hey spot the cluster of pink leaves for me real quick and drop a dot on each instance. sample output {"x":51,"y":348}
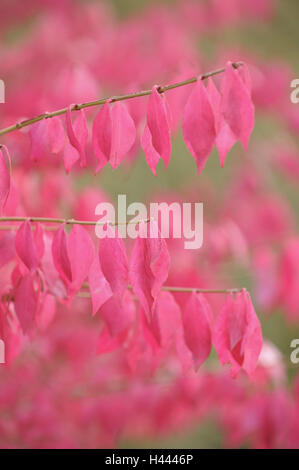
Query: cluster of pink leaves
{"x":209,"y":118}
{"x":104,"y":69}
{"x":147,"y":343}
{"x":50,"y":268}
{"x":54,"y":342}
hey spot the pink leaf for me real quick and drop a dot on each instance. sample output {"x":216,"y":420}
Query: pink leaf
{"x":236,"y":106}
{"x":113,"y":134}
{"x":149,"y":265}
{"x":123,"y":134}
{"x":39,"y":139}
{"x":117,"y":314}
{"x":245,"y":75}
{"x":55,"y":285}
{"x":81,"y":254}
{"x":72,"y":256}
{"x":142,"y":351}
{"x":70,"y":157}
{"x":184,"y":353}
{"x":25,"y":246}
{"x":238,"y":336}
{"x":165,"y":319}
{"x":100,"y":289}
{"x":197,"y":322}
{"x":225,"y":138}
{"x":47,"y":312}
{"x":39,"y":240}
{"x":151,"y":155}
{"x":102,"y":135}
{"x":199,"y":125}
{"x":25,"y":303}
{"x":78,"y":133}
{"x":155,"y":140}
{"x":5,"y":177}
{"x":60,"y":255}
{"x":108,"y":343}
{"x":113,"y":300}
{"x":113,"y":261}
{"x":56,"y":137}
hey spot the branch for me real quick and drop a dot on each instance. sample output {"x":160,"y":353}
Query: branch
{"x":77,"y":107}
{"x":91,"y":222}
{"x":59,"y":221}
{"x":86,"y":295}
{"x":178,"y":289}
{"x":203,"y":291}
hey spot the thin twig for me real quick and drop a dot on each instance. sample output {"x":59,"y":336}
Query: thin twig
{"x":59,"y":221}
{"x":86,"y":295}
{"x":234,"y":290}
{"x":113,"y":99}
{"x":203,"y":291}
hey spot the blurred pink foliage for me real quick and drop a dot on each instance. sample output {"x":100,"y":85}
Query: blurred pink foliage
{"x":129,"y":369}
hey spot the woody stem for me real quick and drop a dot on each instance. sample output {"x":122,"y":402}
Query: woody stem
{"x":113,"y":99}
{"x":58,"y":221}
{"x":182,"y":289}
